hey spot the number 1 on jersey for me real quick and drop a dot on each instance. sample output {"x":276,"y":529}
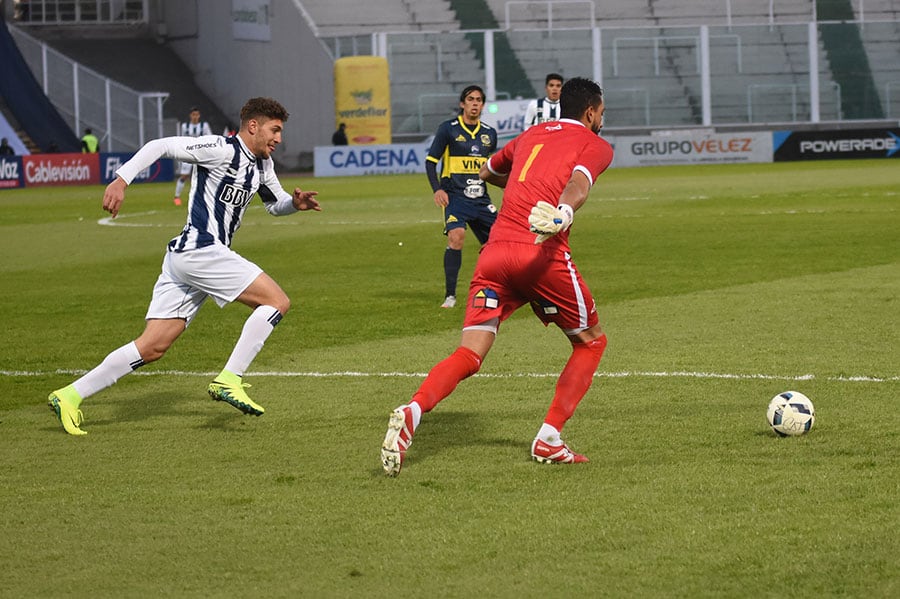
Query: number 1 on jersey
{"x":534,"y":152}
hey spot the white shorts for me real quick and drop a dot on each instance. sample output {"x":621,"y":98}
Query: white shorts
{"x":185,"y":168}
{"x":188,"y":278}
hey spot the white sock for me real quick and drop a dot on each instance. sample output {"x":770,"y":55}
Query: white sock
{"x":116,"y":365}
{"x":256,"y":330}
{"x":179,"y":187}
{"x":416,"y":413}
{"x":549,"y":434}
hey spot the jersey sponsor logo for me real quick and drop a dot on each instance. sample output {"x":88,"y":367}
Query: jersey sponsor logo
{"x":465,"y":165}
{"x":200,"y":146}
{"x":485,"y":140}
{"x":485,"y":298}
{"x":234,"y":195}
{"x":460,"y":138}
{"x":474,"y":190}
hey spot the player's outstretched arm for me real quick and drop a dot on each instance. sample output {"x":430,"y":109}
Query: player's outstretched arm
{"x":114,"y":195}
{"x":305,"y":200}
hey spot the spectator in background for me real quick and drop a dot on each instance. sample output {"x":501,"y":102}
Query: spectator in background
{"x":89,"y":142}
{"x":545,"y":109}
{"x":340,"y":136}
{"x":6,"y":149}
{"x":194,"y":127}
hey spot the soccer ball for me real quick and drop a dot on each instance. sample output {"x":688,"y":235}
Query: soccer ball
{"x":791,"y":414}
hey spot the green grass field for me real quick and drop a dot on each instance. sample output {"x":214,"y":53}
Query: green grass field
{"x":718,"y":286}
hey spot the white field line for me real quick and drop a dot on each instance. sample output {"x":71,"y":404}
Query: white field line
{"x":539,"y":375}
{"x":117,"y":222}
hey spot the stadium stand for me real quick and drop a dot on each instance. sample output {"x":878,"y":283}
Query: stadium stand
{"x":140,"y":59}
{"x":880,"y":35}
{"x":430,"y":59}
{"x":650,"y":54}
{"x":333,"y":19}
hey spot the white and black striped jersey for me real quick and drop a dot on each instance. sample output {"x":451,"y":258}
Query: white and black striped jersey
{"x":190,"y":129}
{"x":540,"y":111}
{"x":226,"y":177}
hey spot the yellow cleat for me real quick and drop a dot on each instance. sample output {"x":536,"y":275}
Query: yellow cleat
{"x":64,"y":403}
{"x":228,"y":388}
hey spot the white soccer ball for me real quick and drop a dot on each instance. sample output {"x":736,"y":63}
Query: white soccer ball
{"x":791,"y":414}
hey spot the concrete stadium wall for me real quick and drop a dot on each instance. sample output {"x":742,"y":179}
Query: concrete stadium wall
{"x":293,"y":68}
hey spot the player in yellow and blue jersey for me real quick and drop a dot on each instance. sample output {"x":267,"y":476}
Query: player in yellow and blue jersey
{"x":461,"y":145}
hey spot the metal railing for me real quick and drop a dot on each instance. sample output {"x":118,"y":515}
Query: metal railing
{"x":80,"y":12}
{"x":795,"y":91}
{"x":550,"y":5}
{"x":122,"y":118}
{"x":888,"y":109}
{"x":667,"y":38}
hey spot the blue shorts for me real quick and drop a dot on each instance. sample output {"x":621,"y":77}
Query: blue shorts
{"x":462,"y":213}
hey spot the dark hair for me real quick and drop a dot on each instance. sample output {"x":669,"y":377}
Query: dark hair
{"x":263,"y":107}
{"x":469,"y":90}
{"x":577,"y":95}
{"x":553,"y":77}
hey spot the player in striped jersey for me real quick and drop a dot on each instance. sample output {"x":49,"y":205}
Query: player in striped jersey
{"x":545,"y":109}
{"x":193,"y":128}
{"x":199,"y":262}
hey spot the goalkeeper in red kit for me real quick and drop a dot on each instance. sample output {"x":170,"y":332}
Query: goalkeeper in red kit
{"x":547,"y":173}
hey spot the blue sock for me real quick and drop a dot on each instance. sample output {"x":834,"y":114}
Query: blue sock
{"x":452,"y":264}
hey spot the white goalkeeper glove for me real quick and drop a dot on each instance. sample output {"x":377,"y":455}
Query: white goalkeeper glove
{"x":547,"y":220}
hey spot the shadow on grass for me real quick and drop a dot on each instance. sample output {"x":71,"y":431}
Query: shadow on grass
{"x":439,"y":432}
{"x":192,"y":405}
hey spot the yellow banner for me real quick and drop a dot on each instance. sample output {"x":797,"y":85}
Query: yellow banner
{"x":362,"y":99}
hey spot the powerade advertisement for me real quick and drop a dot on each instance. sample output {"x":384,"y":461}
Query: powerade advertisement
{"x":831,"y":145}
{"x":41,"y":170}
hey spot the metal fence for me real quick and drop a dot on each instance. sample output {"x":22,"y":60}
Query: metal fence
{"x":655,"y":77}
{"x":122,"y":118}
{"x":80,"y":12}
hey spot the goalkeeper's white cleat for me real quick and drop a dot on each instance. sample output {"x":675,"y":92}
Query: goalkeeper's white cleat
{"x":545,"y":453}
{"x":397,"y":440}
{"x":449,"y":302}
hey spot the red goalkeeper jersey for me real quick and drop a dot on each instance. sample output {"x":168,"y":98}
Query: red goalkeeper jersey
{"x":540,"y":162}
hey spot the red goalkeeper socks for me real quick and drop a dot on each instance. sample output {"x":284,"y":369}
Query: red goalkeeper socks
{"x":575,"y":380}
{"x":445,"y":376}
